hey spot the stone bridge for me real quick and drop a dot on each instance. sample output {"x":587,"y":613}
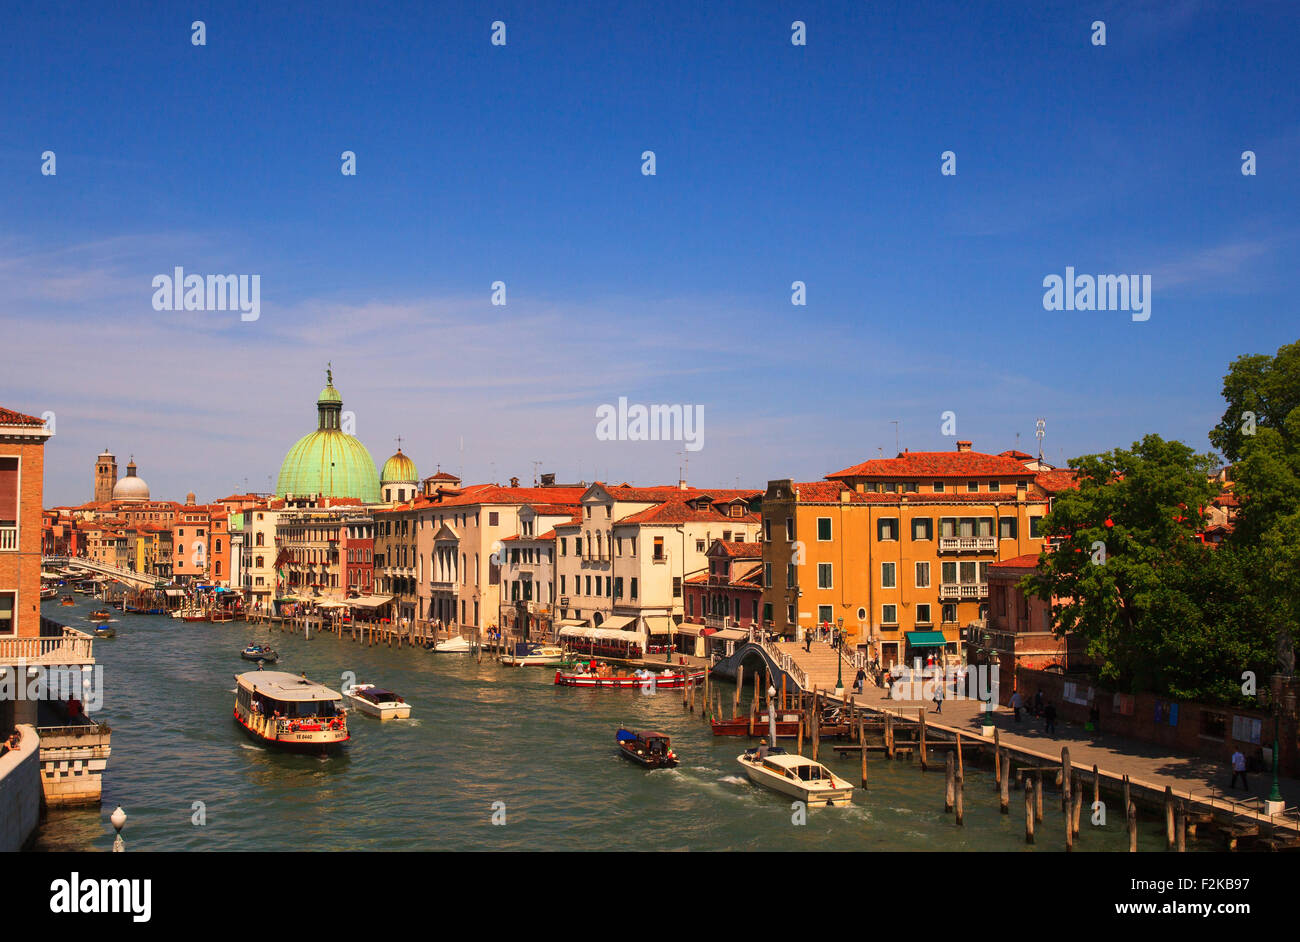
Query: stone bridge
{"x":814,"y":669}
{"x":137,"y":580}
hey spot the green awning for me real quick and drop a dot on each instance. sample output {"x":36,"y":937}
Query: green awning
{"x":926,"y":639}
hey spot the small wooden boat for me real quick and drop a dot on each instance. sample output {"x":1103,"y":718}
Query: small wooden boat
{"x":259,"y":652}
{"x":787,"y":726}
{"x":377,"y":702}
{"x":668,"y":680}
{"x":192,"y":614}
{"x":105,"y":631}
{"x":796,"y":776}
{"x":67,"y":600}
{"x":649,"y":750}
{"x":100,"y":614}
{"x":534,"y":655}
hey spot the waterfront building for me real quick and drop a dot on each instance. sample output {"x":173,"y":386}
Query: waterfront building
{"x":527,"y":564}
{"x":48,"y":763}
{"x":356,"y":550}
{"x":307,"y":543}
{"x":259,"y":549}
{"x":897,"y":551}
{"x":457,"y":535}
{"x":729,"y":594}
{"x":397,"y":562}
{"x":623,"y":564}
{"x":329,"y":462}
{"x":1018,"y":632}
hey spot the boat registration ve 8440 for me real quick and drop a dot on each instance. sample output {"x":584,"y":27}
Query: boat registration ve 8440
{"x":290,"y":712}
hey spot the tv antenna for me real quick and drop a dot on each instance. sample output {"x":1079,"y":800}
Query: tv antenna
{"x":1040,"y":430}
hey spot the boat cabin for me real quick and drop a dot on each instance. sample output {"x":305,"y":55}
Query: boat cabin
{"x":277,"y":693}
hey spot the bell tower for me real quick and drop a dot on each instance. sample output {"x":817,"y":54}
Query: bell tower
{"x":105,"y":476}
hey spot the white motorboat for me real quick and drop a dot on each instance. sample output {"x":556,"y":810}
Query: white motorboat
{"x":538,"y":655}
{"x":377,"y":702}
{"x":796,"y":776}
{"x":456,"y":645}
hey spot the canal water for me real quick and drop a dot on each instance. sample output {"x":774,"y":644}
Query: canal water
{"x":484,"y":741}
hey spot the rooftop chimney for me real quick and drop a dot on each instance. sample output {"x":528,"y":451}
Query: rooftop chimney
{"x":963,"y":446}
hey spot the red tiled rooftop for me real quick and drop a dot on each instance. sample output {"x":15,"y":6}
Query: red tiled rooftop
{"x":10,"y":417}
{"x":1027,"y":561}
{"x":934,"y":464}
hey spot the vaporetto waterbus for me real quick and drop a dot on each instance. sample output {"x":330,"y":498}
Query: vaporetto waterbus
{"x":290,"y":711}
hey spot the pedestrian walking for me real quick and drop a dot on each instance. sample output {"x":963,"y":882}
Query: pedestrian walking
{"x":807,"y":640}
{"x":1049,"y":717}
{"x":1239,"y":768}
{"x":938,"y":697}
{"x":1015,"y":703}
{"x":859,"y":680}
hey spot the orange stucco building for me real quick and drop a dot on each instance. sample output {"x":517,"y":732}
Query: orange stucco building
{"x":897,"y":551}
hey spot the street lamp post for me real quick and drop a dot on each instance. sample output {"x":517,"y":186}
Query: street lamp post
{"x":1275,"y":804}
{"x":839,"y":657}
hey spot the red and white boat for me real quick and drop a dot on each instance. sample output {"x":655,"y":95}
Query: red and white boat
{"x":648,"y":680}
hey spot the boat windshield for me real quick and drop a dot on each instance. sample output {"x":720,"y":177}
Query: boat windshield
{"x":810,"y":773}
{"x":302,"y":709}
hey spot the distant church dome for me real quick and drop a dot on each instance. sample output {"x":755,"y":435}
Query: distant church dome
{"x":131,"y":488}
{"x":327,"y":461}
{"x":399,"y":480}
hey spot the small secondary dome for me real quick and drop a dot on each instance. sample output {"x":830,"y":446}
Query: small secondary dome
{"x":132,"y":487}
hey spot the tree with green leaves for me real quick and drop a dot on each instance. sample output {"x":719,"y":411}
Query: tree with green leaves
{"x":1156,"y":608}
{"x":1260,"y":434}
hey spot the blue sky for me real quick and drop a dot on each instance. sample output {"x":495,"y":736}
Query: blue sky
{"x":521,"y":163}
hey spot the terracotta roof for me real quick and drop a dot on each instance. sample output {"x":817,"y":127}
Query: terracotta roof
{"x":742,"y":550}
{"x":934,"y":464}
{"x":442,"y":476}
{"x":554,"y":510}
{"x":1017,"y":455}
{"x":496,"y":494}
{"x":1058,"y":480}
{"x":10,"y":417}
{"x":676,"y":511}
{"x":1027,"y":561}
{"x":748,"y":578}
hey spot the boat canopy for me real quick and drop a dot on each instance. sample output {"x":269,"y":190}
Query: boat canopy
{"x":626,"y":735}
{"x":602,"y":634}
{"x":369,"y":601}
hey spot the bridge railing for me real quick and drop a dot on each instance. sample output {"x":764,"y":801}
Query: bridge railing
{"x":778,"y":657}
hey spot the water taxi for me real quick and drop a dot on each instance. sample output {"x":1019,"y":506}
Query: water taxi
{"x":651,"y":750}
{"x":259,"y":652}
{"x":290,"y":711}
{"x":100,"y":614}
{"x":377,"y":702}
{"x":456,"y":645}
{"x":796,"y":776}
{"x":647,"y":680}
{"x":67,"y":600}
{"x":534,"y":655}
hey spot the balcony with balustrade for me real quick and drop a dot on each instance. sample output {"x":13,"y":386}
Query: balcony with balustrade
{"x":967,"y":544}
{"x":964,"y":591}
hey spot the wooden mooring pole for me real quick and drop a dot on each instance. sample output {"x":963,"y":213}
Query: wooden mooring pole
{"x":1169,"y":818}
{"x":862,"y":744}
{"x":949,"y":782}
{"x":1029,"y":810}
{"x":1004,"y":793}
{"x":1065,"y":778}
{"x":1132,"y":826}
{"x":961,"y":799}
{"x":920,"y":718}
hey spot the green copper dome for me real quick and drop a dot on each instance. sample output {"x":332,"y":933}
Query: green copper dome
{"x":328,"y":461}
{"x":399,"y":469}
